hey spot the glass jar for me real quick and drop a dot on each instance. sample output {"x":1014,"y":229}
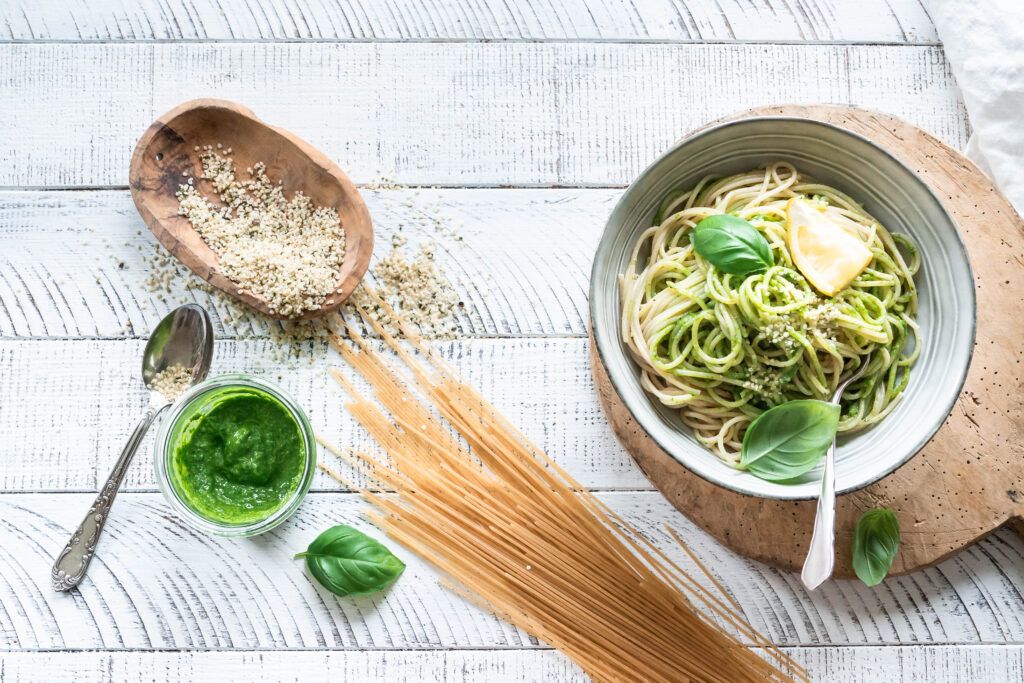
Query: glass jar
{"x":192,"y":403}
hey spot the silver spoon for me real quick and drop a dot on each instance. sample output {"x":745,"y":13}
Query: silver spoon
{"x":821,"y":556}
{"x":183,"y":338}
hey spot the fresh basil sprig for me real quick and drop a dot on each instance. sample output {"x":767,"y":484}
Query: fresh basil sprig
{"x":732,"y":245}
{"x":875,"y":545}
{"x":789,"y":439}
{"x":348,"y":562}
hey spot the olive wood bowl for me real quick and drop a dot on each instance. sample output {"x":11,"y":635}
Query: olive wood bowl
{"x":166,"y":152}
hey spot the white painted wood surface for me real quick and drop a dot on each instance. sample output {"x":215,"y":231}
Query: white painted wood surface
{"x":443,"y":113}
{"x":160,"y":585}
{"x":898,"y":21}
{"x":936,"y":664}
{"x":542,"y":383}
{"x":496,"y":101}
{"x":98,"y":253}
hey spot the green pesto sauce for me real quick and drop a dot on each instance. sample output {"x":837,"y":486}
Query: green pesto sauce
{"x":239,"y":457}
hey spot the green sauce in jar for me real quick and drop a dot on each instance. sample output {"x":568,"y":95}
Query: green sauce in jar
{"x":237,"y":455}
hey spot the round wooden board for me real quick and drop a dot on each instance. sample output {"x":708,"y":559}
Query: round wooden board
{"x":969,"y":479}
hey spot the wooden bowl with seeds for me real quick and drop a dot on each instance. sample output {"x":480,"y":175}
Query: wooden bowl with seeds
{"x":171,"y":152}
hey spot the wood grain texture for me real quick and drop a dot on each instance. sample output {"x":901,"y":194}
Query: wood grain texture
{"x":158,"y":585}
{"x":436,"y":113}
{"x":862,"y":664}
{"x":169,"y":150}
{"x":968,"y":480}
{"x":383,"y":20}
{"x":99,"y":257}
{"x":465,"y":114}
{"x":69,"y":405}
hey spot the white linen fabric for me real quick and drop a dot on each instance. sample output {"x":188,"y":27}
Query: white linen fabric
{"x":984,"y":43}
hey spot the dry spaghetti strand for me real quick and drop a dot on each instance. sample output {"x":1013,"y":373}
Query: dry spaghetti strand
{"x":515,"y":534}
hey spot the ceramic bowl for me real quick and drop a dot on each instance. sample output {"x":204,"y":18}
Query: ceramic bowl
{"x":889,"y":191}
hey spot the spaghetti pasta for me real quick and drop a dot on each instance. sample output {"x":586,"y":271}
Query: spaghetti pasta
{"x":724,"y":348}
{"x":515,"y":533}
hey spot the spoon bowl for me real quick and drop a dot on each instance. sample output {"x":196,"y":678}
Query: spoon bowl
{"x":184,"y":338}
{"x":165,"y":157}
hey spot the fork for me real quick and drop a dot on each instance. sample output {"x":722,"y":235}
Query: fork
{"x":821,"y":556}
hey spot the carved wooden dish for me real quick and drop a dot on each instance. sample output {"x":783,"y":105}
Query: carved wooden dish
{"x":968,"y":480}
{"x":167,"y":150}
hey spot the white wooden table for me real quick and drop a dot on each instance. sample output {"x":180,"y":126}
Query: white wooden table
{"x":519,"y":123}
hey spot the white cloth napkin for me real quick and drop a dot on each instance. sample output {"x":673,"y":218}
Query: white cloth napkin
{"x":984,"y":43}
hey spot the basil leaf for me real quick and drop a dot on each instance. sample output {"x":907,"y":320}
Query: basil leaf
{"x":348,"y":562}
{"x":788,"y":440}
{"x":732,"y":245}
{"x":875,"y":545}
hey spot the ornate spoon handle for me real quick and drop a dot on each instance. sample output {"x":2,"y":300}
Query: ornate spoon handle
{"x":73,"y":561}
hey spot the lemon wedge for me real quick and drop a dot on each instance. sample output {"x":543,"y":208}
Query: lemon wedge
{"x":828,"y":256}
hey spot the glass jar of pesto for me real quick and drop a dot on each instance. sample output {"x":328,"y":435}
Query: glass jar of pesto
{"x":235,"y":455}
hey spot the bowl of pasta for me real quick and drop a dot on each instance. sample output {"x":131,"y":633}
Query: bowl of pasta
{"x":752,"y":270}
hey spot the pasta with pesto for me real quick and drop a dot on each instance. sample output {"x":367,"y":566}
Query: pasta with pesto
{"x":723,"y":348}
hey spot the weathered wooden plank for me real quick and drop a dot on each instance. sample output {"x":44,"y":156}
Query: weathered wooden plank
{"x":80,"y":263}
{"x":897,"y":21}
{"x":444,"y":113}
{"x":158,"y":585}
{"x":453,"y":666}
{"x":66,"y":406}
{"x":859,"y":664}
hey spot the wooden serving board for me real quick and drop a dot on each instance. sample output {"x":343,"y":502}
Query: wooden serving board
{"x":969,"y":479}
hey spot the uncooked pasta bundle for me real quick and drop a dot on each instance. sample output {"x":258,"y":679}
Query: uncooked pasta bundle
{"x":514,"y":533}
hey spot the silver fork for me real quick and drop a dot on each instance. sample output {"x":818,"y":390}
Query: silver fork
{"x":821,"y":556}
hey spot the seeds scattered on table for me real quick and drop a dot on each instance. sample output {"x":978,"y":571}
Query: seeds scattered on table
{"x":172,"y":381}
{"x":286,"y":252}
{"x":415,"y":288}
{"x":412,"y":283}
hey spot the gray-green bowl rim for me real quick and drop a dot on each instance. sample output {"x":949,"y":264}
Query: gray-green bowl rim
{"x":963,"y":253}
